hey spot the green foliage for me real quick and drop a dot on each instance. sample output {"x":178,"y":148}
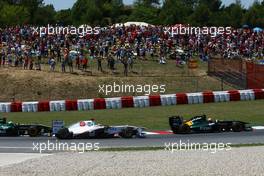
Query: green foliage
{"x":255,"y":15}
{"x":44,"y":15}
{"x":64,"y":17}
{"x":175,"y":11}
{"x":14,"y":15}
{"x":107,"y":12}
{"x":145,"y":11}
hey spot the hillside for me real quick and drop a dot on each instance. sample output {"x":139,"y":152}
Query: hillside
{"x":28,"y":85}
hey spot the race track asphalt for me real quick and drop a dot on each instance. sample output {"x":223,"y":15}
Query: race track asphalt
{"x":28,"y":145}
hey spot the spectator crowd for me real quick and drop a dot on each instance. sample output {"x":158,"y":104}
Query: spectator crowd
{"x":21,"y":47}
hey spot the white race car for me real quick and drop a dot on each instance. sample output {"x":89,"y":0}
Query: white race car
{"x":89,"y":129}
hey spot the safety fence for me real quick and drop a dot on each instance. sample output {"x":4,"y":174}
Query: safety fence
{"x":232,"y":71}
{"x":137,"y":101}
{"x":255,"y":75}
{"x":238,"y":72}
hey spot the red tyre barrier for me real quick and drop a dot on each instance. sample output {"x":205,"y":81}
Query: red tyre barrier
{"x":154,"y":100}
{"x":127,"y":102}
{"x":182,"y":98}
{"x":43,"y":106}
{"x":208,"y":97}
{"x":16,"y":107}
{"x":99,"y":103}
{"x":234,"y":95}
{"x":71,"y":105}
{"x":259,"y":94}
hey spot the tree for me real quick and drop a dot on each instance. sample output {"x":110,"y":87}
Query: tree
{"x":254,"y":15}
{"x":213,"y":5}
{"x":64,"y":17}
{"x":200,"y":16}
{"x":234,"y":14}
{"x":176,"y":11}
{"x":44,"y":15}
{"x":31,"y":5}
{"x":146,"y":11}
{"x":14,"y":15}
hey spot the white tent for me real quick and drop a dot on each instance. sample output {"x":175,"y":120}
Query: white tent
{"x":142,"y":24}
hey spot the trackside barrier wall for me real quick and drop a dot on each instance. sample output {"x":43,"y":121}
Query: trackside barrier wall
{"x":234,"y":95}
{"x":167,"y":100}
{"x":99,"y":103}
{"x":154,"y":100}
{"x":141,"y":101}
{"x":113,"y":103}
{"x":86,"y":104}
{"x":56,"y":106}
{"x":181,"y":98}
{"x":71,"y":105}
{"x":5,"y":107}
{"x":43,"y":106}
{"x":195,"y":98}
{"x":30,"y":106}
{"x":221,"y":96}
{"x":208,"y":97}
{"x":129,"y":101}
{"x":246,"y":95}
{"x":259,"y":93}
{"x":16,"y":106}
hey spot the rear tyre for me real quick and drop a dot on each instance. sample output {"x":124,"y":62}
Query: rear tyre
{"x":33,"y":131}
{"x":127,"y":133}
{"x":237,"y":127}
{"x":64,"y":134}
{"x":186,"y":129}
{"x":176,"y":129}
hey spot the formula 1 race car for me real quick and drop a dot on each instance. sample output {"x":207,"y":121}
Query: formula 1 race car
{"x":89,"y":129}
{"x":200,"y":124}
{"x":12,"y":129}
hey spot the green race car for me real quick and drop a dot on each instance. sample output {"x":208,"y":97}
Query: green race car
{"x":202,"y":124}
{"x":12,"y":129}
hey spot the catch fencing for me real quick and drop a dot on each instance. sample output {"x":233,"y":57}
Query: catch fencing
{"x":240,"y":73}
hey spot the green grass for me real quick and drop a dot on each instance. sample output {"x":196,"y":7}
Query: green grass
{"x":155,"y":118}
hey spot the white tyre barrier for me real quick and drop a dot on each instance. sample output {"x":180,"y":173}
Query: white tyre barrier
{"x":167,"y":100}
{"x":5,"y":107}
{"x":85,"y":104}
{"x":247,"y":95}
{"x":56,"y":106}
{"x":141,"y":101}
{"x":113,"y":103}
{"x":195,"y":98}
{"x":30,"y":106}
{"x":221,"y":96}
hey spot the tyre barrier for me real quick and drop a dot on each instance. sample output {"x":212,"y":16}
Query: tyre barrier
{"x":56,"y":106}
{"x":129,"y":101}
{"x":5,"y":107}
{"x":167,"y":100}
{"x":85,"y":105}
{"x":30,"y":106}
{"x":43,"y":106}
